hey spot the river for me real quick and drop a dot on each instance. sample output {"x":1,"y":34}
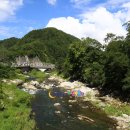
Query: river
{"x":65,"y":116}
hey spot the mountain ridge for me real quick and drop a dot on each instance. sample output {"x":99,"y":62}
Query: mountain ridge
{"x":49,"y":44}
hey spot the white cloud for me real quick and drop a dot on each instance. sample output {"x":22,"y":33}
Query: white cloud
{"x":8,"y":8}
{"x":95,"y":24}
{"x":52,"y":2}
{"x":126,"y":5}
{"x":69,"y":25}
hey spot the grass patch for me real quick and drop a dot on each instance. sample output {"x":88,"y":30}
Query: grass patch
{"x":115,"y":110}
{"x":17,"y":108}
{"x":40,"y":76}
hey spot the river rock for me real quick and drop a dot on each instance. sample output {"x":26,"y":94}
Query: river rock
{"x":64,"y":121}
{"x":71,"y":101}
{"x":34,"y":83}
{"x":57,"y":104}
{"x":57,"y":112}
{"x":47,"y":87}
{"x":101,"y":104}
{"x":125,"y":116}
{"x":4,"y":80}
{"x":67,"y":85}
{"x":44,"y":86}
{"x":70,"y":105}
{"x":56,"y":78}
{"x":29,"y":86}
{"x":16,"y":81}
{"x":122,"y":122}
{"x":32,"y":92}
{"x":77,"y":84}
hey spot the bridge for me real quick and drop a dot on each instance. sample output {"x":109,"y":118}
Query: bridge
{"x":32,"y":63}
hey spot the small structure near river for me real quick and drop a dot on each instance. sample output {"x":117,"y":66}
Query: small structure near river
{"x":25,"y":63}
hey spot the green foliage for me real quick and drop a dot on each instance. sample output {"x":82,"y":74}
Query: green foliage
{"x":107,"y":67}
{"x":49,"y":44}
{"x":126,"y":82}
{"x":84,"y":62}
{"x":6,"y":71}
{"x":94,"y":74}
{"x":15,"y":115}
{"x":2,"y":98}
{"x":116,"y":67}
{"x":40,"y":76}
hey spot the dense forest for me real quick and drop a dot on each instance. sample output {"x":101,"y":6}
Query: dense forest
{"x":104,"y":66}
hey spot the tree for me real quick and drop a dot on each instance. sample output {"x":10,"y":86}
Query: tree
{"x":109,"y":37}
{"x":116,"y":67}
{"x":85,"y":62}
{"x":127,"y":24}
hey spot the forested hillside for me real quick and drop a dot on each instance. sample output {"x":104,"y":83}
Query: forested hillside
{"x":106,"y":67}
{"x":49,"y":44}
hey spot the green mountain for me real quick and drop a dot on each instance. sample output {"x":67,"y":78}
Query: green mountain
{"x":49,"y":44}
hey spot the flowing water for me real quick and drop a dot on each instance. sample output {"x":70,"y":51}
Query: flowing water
{"x":47,"y":118}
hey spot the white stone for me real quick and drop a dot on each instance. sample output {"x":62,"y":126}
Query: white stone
{"x":16,"y":81}
{"x":35,"y":83}
{"x":125,"y":116}
{"x":70,"y":105}
{"x":67,"y":85}
{"x":57,"y":112}
{"x":57,"y":104}
{"x":4,"y":80}
{"x":71,"y":101}
{"x":29,"y":86}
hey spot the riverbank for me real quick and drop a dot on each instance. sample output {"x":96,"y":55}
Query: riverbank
{"x":15,"y":108}
{"x":114,"y":108}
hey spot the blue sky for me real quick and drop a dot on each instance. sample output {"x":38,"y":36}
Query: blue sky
{"x":81,"y":18}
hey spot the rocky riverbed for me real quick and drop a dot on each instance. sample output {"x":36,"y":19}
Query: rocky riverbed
{"x":90,"y":94}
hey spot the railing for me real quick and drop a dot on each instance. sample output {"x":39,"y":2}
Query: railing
{"x":46,"y":66}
